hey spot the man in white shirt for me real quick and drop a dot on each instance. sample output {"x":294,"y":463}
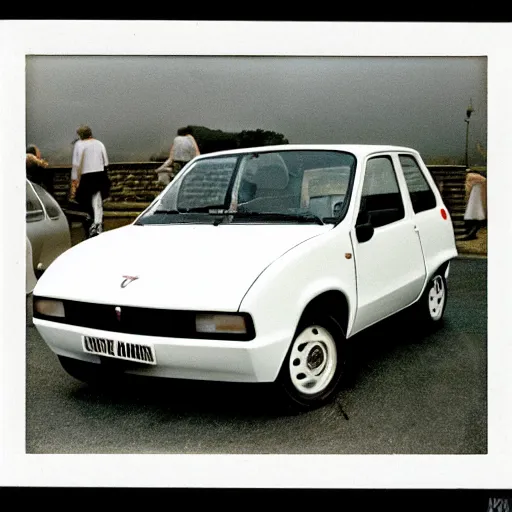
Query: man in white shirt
{"x":90,"y":184}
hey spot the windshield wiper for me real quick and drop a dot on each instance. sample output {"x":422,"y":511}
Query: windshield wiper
{"x":221,"y":210}
{"x":205,"y":209}
{"x":167,"y":211}
{"x":214,"y":210}
{"x":307,"y":217}
{"x":198,"y":209}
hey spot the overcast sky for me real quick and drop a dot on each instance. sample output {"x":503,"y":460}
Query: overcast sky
{"x":135,"y":104}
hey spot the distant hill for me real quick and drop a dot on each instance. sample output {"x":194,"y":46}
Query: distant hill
{"x":210,"y":140}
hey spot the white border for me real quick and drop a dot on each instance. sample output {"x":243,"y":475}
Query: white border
{"x":21,"y":38}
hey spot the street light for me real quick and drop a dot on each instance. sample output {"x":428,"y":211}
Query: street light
{"x":469,"y":111}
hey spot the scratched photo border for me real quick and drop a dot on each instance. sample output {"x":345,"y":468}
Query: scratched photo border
{"x":33,"y":37}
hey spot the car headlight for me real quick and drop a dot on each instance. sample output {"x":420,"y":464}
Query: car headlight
{"x":49,"y":307}
{"x":222,"y":324}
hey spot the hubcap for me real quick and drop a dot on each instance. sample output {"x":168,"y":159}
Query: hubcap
{"x":436,"y":298}
{"x":313,"y":360}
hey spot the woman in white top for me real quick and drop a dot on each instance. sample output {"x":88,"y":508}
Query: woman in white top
{"x":184,"y":148}
{"x":476,"y":208}
{"x":90,"y":184}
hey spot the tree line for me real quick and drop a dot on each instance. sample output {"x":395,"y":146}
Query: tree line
{"x":210,"y":140}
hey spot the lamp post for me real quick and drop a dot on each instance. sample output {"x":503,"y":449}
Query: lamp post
{"x":469,"y":111}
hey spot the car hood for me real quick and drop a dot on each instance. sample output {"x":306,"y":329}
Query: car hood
{"x":201,"y":267}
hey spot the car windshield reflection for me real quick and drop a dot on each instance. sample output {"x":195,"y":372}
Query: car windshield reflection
{"x":288,"y":186}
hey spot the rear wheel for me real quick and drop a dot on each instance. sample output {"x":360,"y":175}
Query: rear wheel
{"x":314,"y":363}
{"x":433,"y":303}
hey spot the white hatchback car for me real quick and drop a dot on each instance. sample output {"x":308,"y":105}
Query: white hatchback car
{"x":254,"y":265}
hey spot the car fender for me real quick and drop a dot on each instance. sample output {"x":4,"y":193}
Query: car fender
{"x":278,"y":297}
{"x":441,"y":264}
{"x":30,"y":278}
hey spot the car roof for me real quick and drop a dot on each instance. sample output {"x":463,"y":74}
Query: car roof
{"x":357,"y":149}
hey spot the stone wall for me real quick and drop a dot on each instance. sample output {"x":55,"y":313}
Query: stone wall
{"x":131,"y":182}
{"x":135,"y":185}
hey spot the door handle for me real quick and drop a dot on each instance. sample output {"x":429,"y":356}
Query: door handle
{"x":416,"y":229}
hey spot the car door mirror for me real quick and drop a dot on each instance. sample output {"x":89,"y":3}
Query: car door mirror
{"x":364,"y":232}
{"x":364,"y":227}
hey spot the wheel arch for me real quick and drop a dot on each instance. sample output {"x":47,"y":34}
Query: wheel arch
{"x":332,"y":302}
{"x":442,"y":267}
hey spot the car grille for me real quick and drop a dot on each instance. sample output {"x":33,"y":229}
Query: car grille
{"x":143,"y":321}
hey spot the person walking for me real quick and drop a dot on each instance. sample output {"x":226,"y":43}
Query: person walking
{"x":476,"y":208}
{"x":184,"y":148}
{"x":90,"y":184}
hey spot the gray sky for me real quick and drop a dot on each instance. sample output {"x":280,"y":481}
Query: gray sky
{"x":134,"y":104}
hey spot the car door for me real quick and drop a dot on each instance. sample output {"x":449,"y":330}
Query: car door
{"x":390,"y":268}
{"x":431,"y":216}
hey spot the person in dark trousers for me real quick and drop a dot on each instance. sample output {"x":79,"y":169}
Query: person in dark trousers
{"x":90,"y":184}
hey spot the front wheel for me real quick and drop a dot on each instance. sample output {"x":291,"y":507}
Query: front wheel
{"x":314,"y":364}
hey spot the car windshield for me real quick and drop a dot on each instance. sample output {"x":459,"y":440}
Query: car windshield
{"x":288,"y":186}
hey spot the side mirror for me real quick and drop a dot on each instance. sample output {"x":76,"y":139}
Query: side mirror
{"x":364,"y":229}
{"x":364,"y":232}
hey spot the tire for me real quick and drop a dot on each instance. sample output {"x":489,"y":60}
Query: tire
{"x":433,"y":302}
{"x":90,"y":373}
{"x":314,"y":364}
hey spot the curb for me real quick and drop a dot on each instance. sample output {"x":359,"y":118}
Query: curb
{"x":469,"y":256}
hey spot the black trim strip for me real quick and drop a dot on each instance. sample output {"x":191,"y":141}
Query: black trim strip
{"x":140,"y":321}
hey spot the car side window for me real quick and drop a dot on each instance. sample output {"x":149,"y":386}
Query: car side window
{"x":422,"y":196}
{"x":381,"y":201}
{"x":34,"y":209}
{"x":50,"y":204}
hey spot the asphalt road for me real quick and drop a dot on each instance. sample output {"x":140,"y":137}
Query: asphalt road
{"x":409,"y":393}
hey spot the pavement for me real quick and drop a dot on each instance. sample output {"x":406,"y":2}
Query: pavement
{"x":474,"y":248}
{"x":407,"y":392}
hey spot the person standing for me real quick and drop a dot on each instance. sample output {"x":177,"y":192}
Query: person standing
{"x":37,"y":169}
{"x":90,"y":184}
{"x":184,"y":148}
{"x":476,"y":208}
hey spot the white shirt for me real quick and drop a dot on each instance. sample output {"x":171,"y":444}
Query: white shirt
{"x":89,"y":155}
{"x":183,"y":149}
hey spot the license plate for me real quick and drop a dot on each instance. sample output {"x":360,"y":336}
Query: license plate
{"x":119,"y":349}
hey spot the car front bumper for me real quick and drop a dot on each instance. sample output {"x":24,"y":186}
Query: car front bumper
{"x":258,"y":360}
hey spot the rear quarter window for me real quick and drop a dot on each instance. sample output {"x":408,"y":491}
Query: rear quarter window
{"x":422,"y":196}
